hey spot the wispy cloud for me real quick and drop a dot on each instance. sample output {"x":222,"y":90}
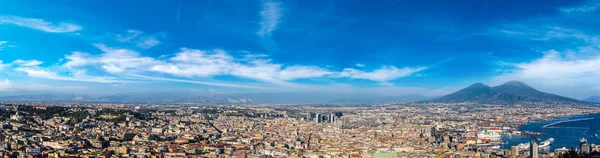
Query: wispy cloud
{"x":9,"y":86}
{"x":19,"y":62}
{"x":40,"y":24}
{"x":32,"y":68}
{"x":382,"y":75}
{"x":589,"y":6}
{"x":2,"y":66}
{"x":210,"y":83}
{"x":270,"y":16}
{"x":77,"y":76}
{"x":4,"y":45}
{"x":148,"y":42}
{"x":138,"y":38}
{"x":27,"y":63}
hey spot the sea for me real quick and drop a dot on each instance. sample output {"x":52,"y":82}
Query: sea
{"x":566,"y":131}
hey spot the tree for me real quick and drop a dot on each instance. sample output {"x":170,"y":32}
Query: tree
{"x":573,"y":154}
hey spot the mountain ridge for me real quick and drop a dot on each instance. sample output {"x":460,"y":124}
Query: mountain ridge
{"x":511,"y":92}
{"x":593,"y":99}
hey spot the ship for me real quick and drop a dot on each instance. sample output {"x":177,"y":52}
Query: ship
{"x":524,"y":146}
{"x":544,"y":144}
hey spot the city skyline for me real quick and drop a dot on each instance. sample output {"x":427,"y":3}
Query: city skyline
{"x":392,"y":48}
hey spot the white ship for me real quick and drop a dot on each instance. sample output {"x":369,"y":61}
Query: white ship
{"x":544,"y":144}
{"x":524,"y":146}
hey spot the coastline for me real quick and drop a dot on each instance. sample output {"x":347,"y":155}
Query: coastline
{"x":564,"y":136}
{"x":566,"y":121}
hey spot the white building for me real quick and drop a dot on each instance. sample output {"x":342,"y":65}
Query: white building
{"x":489,"y":135}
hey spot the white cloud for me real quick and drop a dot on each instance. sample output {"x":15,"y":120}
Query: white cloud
{"x":198,"y":66}
{"x":53,"y":75}
{"x":556,"y":69}
{"x":383,"y":75}
{"x":118,"y":60}
{"x":198,"y":63}
{"x":556,"y":72}
{"x":131,"y":34}
{"x":193,"y":63}
{"x":27,"y":63}
{"x":294,"y":72}
{"x":148,"y":42}
{"x":19,"y":62}
{"x":113,"y":60}
{"x":138,"y":38}
{"x":77,"y":59}
{"x":360,"y":65}
{"x":40,"y":24}
{"x":270,"y":16}
{"x":210,"y":83}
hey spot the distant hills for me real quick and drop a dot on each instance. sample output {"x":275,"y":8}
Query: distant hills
{"x":47,"y":98}
{"x":508,"y":93}
{"x":511,"y":92}
{"x":237,"y":98}
{"x":593,"y":99}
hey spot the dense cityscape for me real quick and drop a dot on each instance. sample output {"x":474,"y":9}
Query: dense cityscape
{"x":386,"y":130}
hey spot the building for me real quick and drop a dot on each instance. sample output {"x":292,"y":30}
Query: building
{"x":331,"y":118}
{"x":16,"y":116}
{"x":514,"y":150}
{"x":585,"y":147}
{"x":488,"y":135}
{"x":339,"y":114}
{"x":157,"y":130}
{"x":317,"y":118}
{"x":533,"y":150}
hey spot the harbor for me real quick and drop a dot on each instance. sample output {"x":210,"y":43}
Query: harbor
{"x":562,"y":132}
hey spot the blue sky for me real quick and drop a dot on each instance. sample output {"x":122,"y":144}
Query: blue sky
{"x":390,"y":47}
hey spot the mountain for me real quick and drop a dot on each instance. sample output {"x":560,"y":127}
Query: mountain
{"x":593,"y":99}
{"x":508,"y":93}
{"x":477,"y":92}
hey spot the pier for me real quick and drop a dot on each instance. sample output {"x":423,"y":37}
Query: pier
{"x":548,"y":125}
